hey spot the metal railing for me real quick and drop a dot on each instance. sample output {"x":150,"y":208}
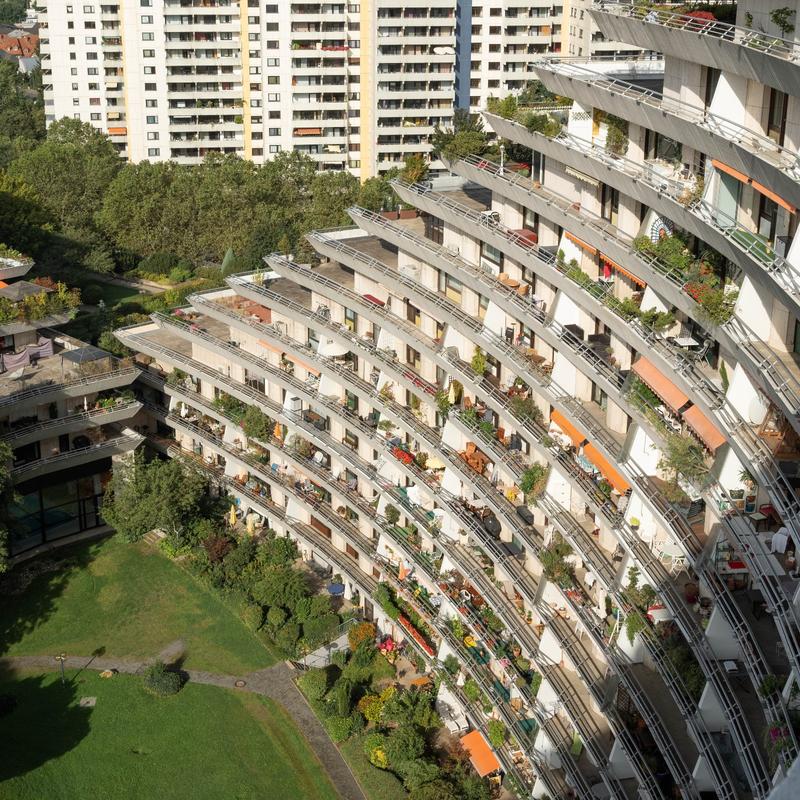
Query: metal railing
{"x":756,"y":143}
{"x":735,"y":34}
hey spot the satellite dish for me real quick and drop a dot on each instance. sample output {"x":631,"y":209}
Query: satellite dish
{"x":756,"y":411}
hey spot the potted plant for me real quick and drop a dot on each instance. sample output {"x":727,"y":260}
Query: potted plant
{"x":392,"y":515}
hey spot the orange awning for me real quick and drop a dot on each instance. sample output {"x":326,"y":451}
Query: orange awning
{"x":117,"y":131}
{"x":606,"y":470}
{"x":480,"y":754}
{"x":288,"y":356}
{"x":740,"y":176}
{"x":568,"y":428}
{"x":702,"y":426}
{"x":308,"y":131}
{"x":575,"y":240}
{"x":622,"y":270}
{"x":662,"y":386}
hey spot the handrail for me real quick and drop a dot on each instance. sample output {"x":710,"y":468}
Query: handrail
{"x":786,"y":160}
{"x":36,"y":391}
{"x":81,"y":416}
{"x":96,"y":447}
{"x":736,"y":34}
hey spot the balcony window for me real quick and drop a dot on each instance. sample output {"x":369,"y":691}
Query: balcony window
{"x":254,"y":382}
{"x":767,"y":218}
{"x":492,"y":255}
{"x":450,"y":287}
{"x":413,"y":358}
{"x":776,"y":120}
{"x":434,"y":229}
{"x":610,"y":204}
{"x":483,"y":304}
{"x":350,"y":320}
{"x":413,"y":315}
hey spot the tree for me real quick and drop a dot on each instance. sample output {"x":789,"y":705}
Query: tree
{"x":276,"y":617}
{"x":376,"y":194}
{"x":287,"y":636}
{"x":158,"y":681}
{"x":256,"y":424}
{"x":343,"y":696}
{"x":435,"y":790}
{"x":363,"y":632}
{"x":318,"y":630}
{"x":466,"y":137}
{"x":280,"y":586}
{"x":21,"y":112}
{"x":403,"y":744}
{"x":375,"y":750}
{"x":415,"y":168}
{"x":143,"y":496}
{"x":315,"y":683}
{"x":70,"y":172}
{"x":12,"y":11}
{"x":417,"y":773}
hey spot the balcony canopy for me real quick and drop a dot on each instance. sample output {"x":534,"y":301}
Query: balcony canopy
{"x":568,"y":428}
{"x":480,"y":754}
{"x":661,"y":385}
{"x":701,"y":425}
{"x":606,"y":470}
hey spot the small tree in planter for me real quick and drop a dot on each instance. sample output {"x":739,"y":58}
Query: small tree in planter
{"x":392,"y":515}
{"x":478,"y":362}
{"x":533,"y":481}
{"x":443,"y":403}
{"x":683,"y":457}
{"x":496,"y":731}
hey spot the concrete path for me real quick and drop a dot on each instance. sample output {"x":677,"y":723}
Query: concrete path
{"x":276,"y":682}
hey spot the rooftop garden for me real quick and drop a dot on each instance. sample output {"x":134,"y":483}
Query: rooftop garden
{"x":11,"y":254}
{"x":31,"y":301}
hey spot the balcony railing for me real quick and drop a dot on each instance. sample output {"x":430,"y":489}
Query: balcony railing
{"x":784,"y":159}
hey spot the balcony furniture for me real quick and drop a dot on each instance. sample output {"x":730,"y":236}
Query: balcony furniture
{"x":525,"y":514}
{"x":779,"y":541}
{"x":758,"y":519}
{"x":533,"y":356}
{"x":507,"y":280}
{"x":771,"y":513}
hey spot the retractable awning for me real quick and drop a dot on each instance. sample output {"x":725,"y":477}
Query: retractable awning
{"x":661,"y":385}
{"x":568,"y":428}
{"x":480,"y":754}
{"x":606,"y":470}
{"x":702,"y":426}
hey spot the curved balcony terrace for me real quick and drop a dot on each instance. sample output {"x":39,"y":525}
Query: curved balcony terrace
{"x":748,"y":151}
{"x":721,"y":45}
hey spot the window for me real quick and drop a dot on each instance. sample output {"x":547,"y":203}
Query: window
{"x":255,"y":70}
{"x":270,"y":9}
{"x":273,"y":98}
{"x":94,"y":101}
{"x":272,"y":27}
{"x":272,"y":45}
{"x":492,"y":255}
{"x":149,"y":70}
{"x":147,"y":19}
{"x":88,"y":9}
{"x":91,"y":56}
{"x":76,"y":101}
{"x":451,"y":287}
{"x":413,"y":358}
{"x":151,"y":103}
{"x":145,"y":3}
{"x":148,"y":53}
{"x":253,"y":37}
{"x":610,"y":204}
{"x":148,"y":36}
{"x":434,"y":229}
{"x":253,"y":20}
{"x":71,"y":40}
{"x":73,"y":70}
{"x":412,"y":314}
{"x":350,"y":439}
{"x":255,"y":104}
{"x":152,"y":136}
{"x":152,"y":120}
{"x":274,"y":148}
{"x":150,"y":87}
{"x":767,"y":217}
{"x":273,"y":62}
{"x":274,"y":131}
{"x":90,"y":40}
{"x":273,"y":80}
{"x":94,"y":117}
{"x":350,"y":320}
{"x":153,"y":151}
{"x":91,"y":71}
{"x":74,"y":87}
{"x":274,"y":115}
{"x":776,"y":121}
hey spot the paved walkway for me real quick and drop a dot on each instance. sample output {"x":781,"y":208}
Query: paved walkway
{"x":276,"y":682}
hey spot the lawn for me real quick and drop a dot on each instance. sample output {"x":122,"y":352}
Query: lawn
{"x":130,"y":602}
{"x":114,"y":293}
{"x":204,"y":742}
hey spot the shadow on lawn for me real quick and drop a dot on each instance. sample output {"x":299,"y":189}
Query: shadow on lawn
{"x":40,"y":720}
{"x":29,"y":592}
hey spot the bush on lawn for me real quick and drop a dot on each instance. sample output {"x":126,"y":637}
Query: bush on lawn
{"x":340,"y":729}
{"x":375,"y":750}
{"x":92,"y":294}
{"x":158,"y":681}
{"x":364,"y":631}
{"x":253,"y":616}
{"x":314,"y":683}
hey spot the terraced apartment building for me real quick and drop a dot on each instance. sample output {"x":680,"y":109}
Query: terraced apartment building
{"x":65,"y":409}
{"x":555,"y":414}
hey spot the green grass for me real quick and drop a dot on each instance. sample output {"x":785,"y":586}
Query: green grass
{"x":378,"y":784}
{"x":204,"y":742}
{"x":130,"y":602}
{"x":114,"y":293}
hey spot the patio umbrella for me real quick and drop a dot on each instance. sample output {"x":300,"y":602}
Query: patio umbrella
{"x":335,"y":589}
{"x":278,"y":431}
{"x":232,"y":516}
{"x":251,"y":524}
{"x":451,"y":395}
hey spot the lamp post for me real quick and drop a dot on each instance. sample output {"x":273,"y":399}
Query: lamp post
{"x":502,"y":158}
{"x":61,"y":658}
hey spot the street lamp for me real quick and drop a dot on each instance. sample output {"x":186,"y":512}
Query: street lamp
{"x":61,"y":658}
{"x":502,"y":158}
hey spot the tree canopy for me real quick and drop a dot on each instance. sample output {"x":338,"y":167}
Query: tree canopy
{"x":143,"y":496}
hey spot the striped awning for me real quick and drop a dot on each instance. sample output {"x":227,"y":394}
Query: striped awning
{"x":704,"y":429}
{"x":622,"y":271}
{"x":568,"y":428}
{"x":760,"y":188}
{"x":661,"y":385}
{"x":606,"y":470}
{"x":575,"y":240}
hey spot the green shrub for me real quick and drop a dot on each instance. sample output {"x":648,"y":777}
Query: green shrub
{"x":276,"y":617}
{"x":253,"y":616}
{"x":343,"y":696}
{"x":496,"y":731}
{"x":286,"y":637}
{"x":158,"y":681}
{"x":180,"y":274}
{"x":159,"y":263}
{"x":92,"y":294}
{"x":375,"y":750}
{"x":404,"y":744}
{"x":339,"y":728}
{"x":452,"y":664}
{"x":314,"y":683}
